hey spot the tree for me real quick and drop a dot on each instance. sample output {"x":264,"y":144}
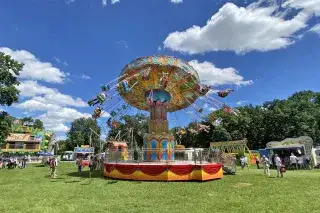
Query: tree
{"x":9,"y":70}
{"x":5,"y":126}
{"x":79,"y":133}
{"x":220,"y":134}
{"x":138,"y":122}
{"x":38,"y":124}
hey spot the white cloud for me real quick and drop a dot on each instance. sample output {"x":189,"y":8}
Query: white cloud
{"x":159,"y":49}
{"x":36,"y":105}
{"x":35,"y":69}
{"x":49,"y":95}
{"x":61,"y":137}
{"x":124,"y":44}
{"x":308,"y":6}
{"x":56,"y":117}
{"x":59,"y":61}
{"x":241,"y":102}
{"x":104,"y":2}
{"x":32,"y":88}
{"x":209,"y":74}
{"x":315,"y":29}
{"x":176,"y":1}
{"x":69,"y":1}
{"x":55,"y":120}
{"x":105,"y":115}
{"x":212,"y":109}
{"x":85,"y":77}
{"x":62,"y":100}
{"x":240,"y":30}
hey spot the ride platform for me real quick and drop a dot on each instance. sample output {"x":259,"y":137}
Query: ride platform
{"x":162,"y":171}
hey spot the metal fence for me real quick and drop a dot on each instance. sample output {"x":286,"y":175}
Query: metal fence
{"x":194,"y":156}
{"x":178,"y":156}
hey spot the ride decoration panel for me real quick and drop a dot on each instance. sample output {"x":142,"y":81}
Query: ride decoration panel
{"x":166,"y":73}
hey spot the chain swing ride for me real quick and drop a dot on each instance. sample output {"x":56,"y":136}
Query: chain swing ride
{"x":160,"y":85}
{"x":151,"y":80}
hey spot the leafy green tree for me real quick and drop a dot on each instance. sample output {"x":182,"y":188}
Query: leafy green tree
{"x":138,"y":122}
{"x":220,"y":134}
{"x":236,"y":135}
{"x":79,"y":133}
{"x":5,"y":126}
{"x":9,"y":70}
{"x":36,"y":123}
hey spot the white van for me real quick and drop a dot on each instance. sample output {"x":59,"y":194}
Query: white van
{"x":316,"y":156}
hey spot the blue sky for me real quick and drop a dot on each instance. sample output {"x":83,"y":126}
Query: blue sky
{"x":261,"y":49}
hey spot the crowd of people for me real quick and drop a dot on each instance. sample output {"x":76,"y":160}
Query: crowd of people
{"x":279,"y":163}
{"x":95,"y":163}
{"x":14,"y":162}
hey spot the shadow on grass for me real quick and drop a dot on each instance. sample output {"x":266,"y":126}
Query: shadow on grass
{"x":85,"y":174}
{"x":112,"y":181}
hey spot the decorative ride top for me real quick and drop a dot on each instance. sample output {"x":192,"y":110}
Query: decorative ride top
{"x":159,"y":73}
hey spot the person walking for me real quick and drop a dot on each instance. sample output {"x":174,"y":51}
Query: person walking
{"x":244,"y":161}
{"x":266,"y":165}
{"x":79,"y":164}
{"x":91,"y":166}
{"x":293,"y":162}
{"x":53,"y":166}
{"x":257,"y":162}
{"x":278,"y":165}
{"x":24,"y":161}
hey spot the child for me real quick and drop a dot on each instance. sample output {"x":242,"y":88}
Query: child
{"x":91,"y":166}
{"x":266,"y":165}
{"x":79,"y":163}
{"x":53,"y":166}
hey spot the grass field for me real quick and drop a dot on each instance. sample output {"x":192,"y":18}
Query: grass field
{"x":30,"y":190}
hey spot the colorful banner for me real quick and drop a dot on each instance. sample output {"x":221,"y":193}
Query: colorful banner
{"x":84,"y":150}
{"x":18,"y":137}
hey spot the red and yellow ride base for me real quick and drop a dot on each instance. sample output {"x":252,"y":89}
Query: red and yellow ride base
{"x":163,"y":171}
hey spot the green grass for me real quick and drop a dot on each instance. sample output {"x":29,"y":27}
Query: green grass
{"x":30,"y":190}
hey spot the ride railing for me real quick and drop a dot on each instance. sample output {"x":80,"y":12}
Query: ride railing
{"x":188,"y":156}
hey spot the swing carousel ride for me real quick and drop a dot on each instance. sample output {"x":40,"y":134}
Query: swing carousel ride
{"x":159,"y":85}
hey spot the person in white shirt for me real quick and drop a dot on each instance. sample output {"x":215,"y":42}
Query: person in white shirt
{"x":301,"y":162}
{"x":244,"y":162}
{"x":266,"y":165}
{"x":293,"y":162}
{"x":278,"y":163}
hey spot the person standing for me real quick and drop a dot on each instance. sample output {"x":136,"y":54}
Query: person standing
{"x":293,"y":162}
{"x":24,"y":161}
{"x":257,"y":162}
{"x":79,"y":163}
{"x":278,"y":165}
{"x":301,"y":162}
{"x":53,"y":166}
{"x":91,"y":166}
{"x":266,"y":165}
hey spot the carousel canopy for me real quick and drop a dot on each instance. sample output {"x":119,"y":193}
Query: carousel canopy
{"x":146,"y":74}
